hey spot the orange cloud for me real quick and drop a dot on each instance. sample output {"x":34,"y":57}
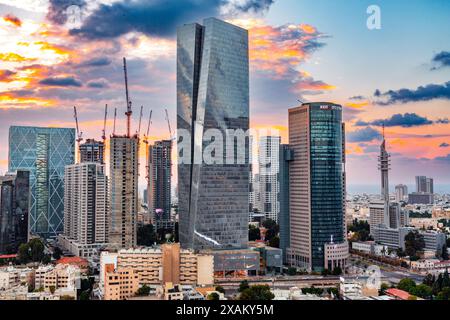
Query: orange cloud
{"x":14,"y":57}
{"x":279,"y":50}
{"x":357,"y":105}
{"x":52,"y":47}
{"x":13,"y":20}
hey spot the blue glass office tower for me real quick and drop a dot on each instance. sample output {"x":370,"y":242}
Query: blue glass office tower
{"x":212,"y":96}
{"x":44,"y":152}
{"x":317,"y":180}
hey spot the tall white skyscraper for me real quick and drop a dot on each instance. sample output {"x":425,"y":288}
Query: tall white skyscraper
{"x":269,"y":168}
{"x":86,"y":208}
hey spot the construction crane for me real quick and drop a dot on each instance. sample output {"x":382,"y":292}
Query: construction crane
{"x":104,"y":124}
{"x":114,"y":125}
{"x":129,"y":112}
{"x":138,"y":132}
{"x":146,"y":146}
{"x":79,"y":133}
{"x":170,"y":129}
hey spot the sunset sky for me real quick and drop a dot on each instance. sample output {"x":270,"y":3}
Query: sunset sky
{"x":316,"y":50}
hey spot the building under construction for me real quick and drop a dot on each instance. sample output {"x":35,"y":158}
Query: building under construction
{"x":124,"y":174}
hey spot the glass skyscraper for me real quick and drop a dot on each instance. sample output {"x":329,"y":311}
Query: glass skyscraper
{"x":44,"y":152}
{"x":212,"y":97}
{"x":317,"y":180}
{"x":14,"y":210}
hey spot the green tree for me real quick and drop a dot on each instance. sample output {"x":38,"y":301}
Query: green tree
{"x":337,"y":271}
{"x":57,"y":253}
{"x":291,"y":271}
{"x":414,"y":242}
{"x":383,"y":288}
{"x":275,"y":242}
{"x":445,"y":280}
{"x":444,"y":253}
{"x":220,"y":289}
{"x":429,"y":280}
{"x":52,"y":289}
{"x":437,"y":285}
{"x":444,"y":294}
{"x":243,"y":285}
{"x":24,"y":253}
{"x":36,"y":247}
{"x":422,"y":291}
{"x":85,"y":295}
{"x":257,"y":292}
{"x":213,"y":296}
{"x":143,"y":291}
{"x":253,"y":233}
{"x":406,"y":284}
{"x":146,"y":235}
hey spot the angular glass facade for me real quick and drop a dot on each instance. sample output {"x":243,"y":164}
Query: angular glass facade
{"x":212,"y":94}
{"x":14,"y":210}
{"x":44,"y":152}
{"x":326,"y":179}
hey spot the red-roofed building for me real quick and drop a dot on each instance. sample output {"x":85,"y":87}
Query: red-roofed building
{"x":8,"y":256}
{"x":398,"y":294}
{"x":83,"y":264}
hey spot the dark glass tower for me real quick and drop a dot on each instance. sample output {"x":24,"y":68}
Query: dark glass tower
{"x":212,"y":97}
{"x":160,"y":175}
{"x":14,"y":210}
{"x":317,"y":186}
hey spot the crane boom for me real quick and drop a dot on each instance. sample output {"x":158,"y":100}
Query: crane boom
{"x":168,"y":123}
{"x":114,"y":126}
{"x":149,"y":123}
{"x":129,"y":112}
{"x":79,"y":134}
{"x":104,"y":124}
{"x":140,"y":120}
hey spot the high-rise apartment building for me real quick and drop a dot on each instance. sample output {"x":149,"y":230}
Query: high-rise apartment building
{"x":213,"y":107}
{"x":14,"y":210}
{"x":92,"y":151}
{"x":44,"y":152}
{"x":159,"y":182}
{"x":424,"y":184}
{"x":124,"y":168}
{"x":317,"y":239}
{"x":86,"y":209}
{"x":401,"y":192}
{"x":269,"y":169}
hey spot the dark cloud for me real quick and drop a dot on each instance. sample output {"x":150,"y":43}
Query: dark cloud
{"x":363,"y":135}
{"x":444,"y":145}
{"x":156,"y":18}
{"x":406,"y":120}
{"x":443,"y":121}
{"x":98,"y":84}
{"x":357,"y":98}
{"x":96,"y":62}
{"x":61,"y":82}
{"x":443,"y":159}
{"x":422,"y":93}
{"x":441,"y":60}
{"x":6,"y":75}
{"x":57,"y":10}
{"x":253,"y":5}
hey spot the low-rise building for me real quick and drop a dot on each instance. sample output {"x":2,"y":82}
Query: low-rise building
{"x":159,"y":265}
{"x":120,"y":284}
